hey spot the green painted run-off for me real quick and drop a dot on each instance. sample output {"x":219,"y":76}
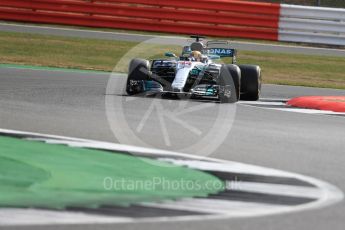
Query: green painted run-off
{"x":36,"y":174}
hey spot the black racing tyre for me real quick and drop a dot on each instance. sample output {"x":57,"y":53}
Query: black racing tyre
{"x":138,"y":73}
{"x":250,"y":82}
{"x":229,"y":83}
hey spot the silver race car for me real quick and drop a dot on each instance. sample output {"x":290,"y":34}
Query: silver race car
{"x":196,"y":74}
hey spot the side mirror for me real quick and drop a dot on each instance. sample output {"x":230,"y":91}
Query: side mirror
{"x":169,"y":54}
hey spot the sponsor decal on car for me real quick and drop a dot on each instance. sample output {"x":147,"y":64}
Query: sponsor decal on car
{"x":222,"y":52}
{"x":184,"y":64}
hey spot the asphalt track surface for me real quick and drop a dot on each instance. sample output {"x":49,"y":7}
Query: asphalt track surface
{"x":170,"y":40}
{"x":73,"y":104}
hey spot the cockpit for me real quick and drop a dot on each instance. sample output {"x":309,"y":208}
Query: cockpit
{"x":194,"y":52}
{"x":206,"y":53}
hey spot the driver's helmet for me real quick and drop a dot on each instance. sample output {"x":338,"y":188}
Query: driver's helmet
{"x":196,"y":55}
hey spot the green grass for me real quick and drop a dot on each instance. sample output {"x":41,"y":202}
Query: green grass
{"x":94,"y":54}
{"x":56,"y":51}
{"x":300,"y":70}
{"x":36,"y":174}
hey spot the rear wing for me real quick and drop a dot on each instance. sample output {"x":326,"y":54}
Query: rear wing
{"x":222,"y":49}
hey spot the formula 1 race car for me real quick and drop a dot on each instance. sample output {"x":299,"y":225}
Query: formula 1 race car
{"x":195,"y":74}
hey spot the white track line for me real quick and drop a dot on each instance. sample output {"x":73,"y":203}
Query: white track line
{"x":277,"y":189}
{"x":221,"y":207}
{"x":287,"y":108}
{"x":16,"y":216}
{"x":234,"y":167}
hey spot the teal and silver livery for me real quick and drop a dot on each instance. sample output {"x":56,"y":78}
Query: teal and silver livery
{"x":196,"y":74}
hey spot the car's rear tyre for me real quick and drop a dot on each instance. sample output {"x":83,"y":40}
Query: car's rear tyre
{"x":229,"y":84}
{"x":250,"y":82}
{"x":138,"y":73}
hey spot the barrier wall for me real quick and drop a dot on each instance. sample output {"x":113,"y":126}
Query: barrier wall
{"x":223,"y":18}
{"x":312,"y":25}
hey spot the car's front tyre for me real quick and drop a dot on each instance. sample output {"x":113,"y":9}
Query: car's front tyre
{"x":138,"y":73}
{"x":229,"y":84}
